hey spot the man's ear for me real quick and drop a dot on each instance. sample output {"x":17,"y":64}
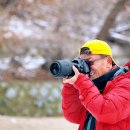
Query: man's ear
{"x":109,"y":59}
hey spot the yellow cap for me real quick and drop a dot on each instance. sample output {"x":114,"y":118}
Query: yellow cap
{"x":98,"y":47}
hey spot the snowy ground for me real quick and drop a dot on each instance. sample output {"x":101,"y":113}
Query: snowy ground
{"x":18,"y":123}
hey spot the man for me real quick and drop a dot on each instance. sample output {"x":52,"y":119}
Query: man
{"x":100,"y":101}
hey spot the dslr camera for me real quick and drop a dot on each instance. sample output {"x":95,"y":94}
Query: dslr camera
{"x":63,"y":68}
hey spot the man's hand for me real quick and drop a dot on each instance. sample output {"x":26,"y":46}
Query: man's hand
{"x":73,"y":79}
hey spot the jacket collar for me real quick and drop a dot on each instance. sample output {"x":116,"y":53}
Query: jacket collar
{"x":102,"y":81}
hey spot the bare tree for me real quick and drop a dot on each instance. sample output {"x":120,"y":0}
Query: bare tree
{"x":109,"y":22}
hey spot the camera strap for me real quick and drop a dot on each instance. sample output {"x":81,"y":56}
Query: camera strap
{"x":122,"y":70}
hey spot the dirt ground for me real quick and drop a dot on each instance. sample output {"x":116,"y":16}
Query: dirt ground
{"x":19,"y":123}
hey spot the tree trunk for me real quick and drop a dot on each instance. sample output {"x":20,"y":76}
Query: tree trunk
{"x":110,"y":19}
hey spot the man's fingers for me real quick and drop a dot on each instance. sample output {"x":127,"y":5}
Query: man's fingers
{"x":71,"y":80}
{"x":75,"y":70}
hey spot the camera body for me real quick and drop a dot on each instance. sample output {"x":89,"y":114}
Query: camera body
{"x":63,"y":68}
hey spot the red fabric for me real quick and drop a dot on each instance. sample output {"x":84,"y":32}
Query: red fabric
{"x":110,"y":109}
{"x":127,"y":64}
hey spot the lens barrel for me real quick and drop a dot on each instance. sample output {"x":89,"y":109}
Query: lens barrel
{"x":61,"y":68}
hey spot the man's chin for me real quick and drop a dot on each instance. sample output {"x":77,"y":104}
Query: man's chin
{"x":93,"y":77}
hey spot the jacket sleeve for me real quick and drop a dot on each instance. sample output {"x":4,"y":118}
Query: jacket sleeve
{"x":72,"y":108}
{"x":110,"y":107}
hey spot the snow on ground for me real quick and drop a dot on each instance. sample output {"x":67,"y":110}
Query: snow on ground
{"x":18,"y":123}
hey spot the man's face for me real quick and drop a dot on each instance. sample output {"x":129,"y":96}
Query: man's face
{"x":99,"y":65}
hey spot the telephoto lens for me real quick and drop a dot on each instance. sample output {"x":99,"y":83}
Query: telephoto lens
{"x":61,"y":68}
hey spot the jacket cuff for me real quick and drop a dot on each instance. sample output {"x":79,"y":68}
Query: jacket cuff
{"x":67,"y":85}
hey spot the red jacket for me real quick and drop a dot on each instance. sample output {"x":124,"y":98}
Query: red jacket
{"x":110,"y":109}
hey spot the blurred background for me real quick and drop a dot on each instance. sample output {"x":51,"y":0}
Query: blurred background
{"x":33,"y":33}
